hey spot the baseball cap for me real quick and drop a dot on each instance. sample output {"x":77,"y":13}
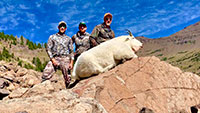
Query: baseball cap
{"x":107,"y":14}
{"x":82,"y":23}
{"x":62,"y":23}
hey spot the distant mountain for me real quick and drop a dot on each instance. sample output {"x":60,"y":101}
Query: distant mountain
{"x":180,"y":49}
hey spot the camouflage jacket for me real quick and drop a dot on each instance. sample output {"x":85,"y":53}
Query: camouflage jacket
{"x":60,"y":45}
{"x":81,"y":41}
{"x":100,"y":34}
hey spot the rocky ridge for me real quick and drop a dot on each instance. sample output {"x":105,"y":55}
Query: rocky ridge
{"x":145,"y":82}
{"x":13,"y":77}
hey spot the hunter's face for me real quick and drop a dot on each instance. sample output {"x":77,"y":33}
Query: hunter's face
{"x":108,"y":20}
{"x":83,"y":28}
{"x":62,"y":29}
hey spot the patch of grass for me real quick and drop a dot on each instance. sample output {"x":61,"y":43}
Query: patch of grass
{"x":28,"y":66}
{"x":160,"y":55}
{"x":164,"y":59}
{"x":20,"y":63}
{"x":171,"y":58}
{"x":181,"y":52}
{"x":196,"y":57}
{"x":192,"y":42}
{"x":187,"y":67}
{"x":183,"y":59}
{"x":158,"y":50}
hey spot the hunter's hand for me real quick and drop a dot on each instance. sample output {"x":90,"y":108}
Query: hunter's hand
{"x":71,"y":65}
{"x":54,"y":61}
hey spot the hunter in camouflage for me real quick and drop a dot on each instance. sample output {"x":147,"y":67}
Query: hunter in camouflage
{"x":60,"y":51}
{"x":81,"y":40}
{"x":102,"y":32}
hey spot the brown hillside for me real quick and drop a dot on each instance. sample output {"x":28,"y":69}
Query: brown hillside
{"x":180,"y":49}
{"x":23,"y":52}
{"x":187,"y":39}
{"x":142,"y":82}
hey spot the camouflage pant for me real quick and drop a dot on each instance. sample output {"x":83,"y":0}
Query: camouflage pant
{"x":63,"y":64}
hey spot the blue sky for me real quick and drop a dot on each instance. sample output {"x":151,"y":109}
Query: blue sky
{"x":37,"y":19}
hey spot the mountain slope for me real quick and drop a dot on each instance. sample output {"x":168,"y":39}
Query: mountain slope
{"x":24,"y":52}
{"x":180,"y":49}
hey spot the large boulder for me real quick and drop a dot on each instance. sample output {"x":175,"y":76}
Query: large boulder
{"x":143,"y":82}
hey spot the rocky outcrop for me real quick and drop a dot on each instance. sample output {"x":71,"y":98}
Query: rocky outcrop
{"x":13,"y":77}
{"x":43,"y":98}
{"x":144,"y":82}
{"x":142,"y":85}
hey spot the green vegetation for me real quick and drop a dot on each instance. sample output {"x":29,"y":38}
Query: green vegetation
{"x":187,"y":61}
{"x":20,"y":63}
{"x":32,"y":46}
{"x":192,"y":42}
{"x":187,"y":67}
{"x":5,"y":55}
{"x":45,"y":45}
{"x":182,"y":52}
{"x":39,"y":66}
{"x":158,"y":50}
{"x":196,"y":57}
{"x":160,"y":55}
{"x":164,"y":59}
{"x":28,"y":66}
{"x":22,"y":40}
{"x":171,"y":58}
{"x":183,"y":59}
{"x":10,"y":38}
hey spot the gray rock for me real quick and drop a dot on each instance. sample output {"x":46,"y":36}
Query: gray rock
{"x":3,"y":68}
{"x":2,"y":83}
{"x":4,"y":93}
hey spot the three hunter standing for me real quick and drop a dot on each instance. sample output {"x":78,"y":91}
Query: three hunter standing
{"x":60,"y":46}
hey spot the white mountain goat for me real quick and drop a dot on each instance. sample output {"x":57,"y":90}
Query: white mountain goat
{"x":105,"y":56}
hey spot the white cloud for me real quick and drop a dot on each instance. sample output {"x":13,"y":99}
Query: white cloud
{"x":28,"y":34}
{"x":3,"y":20}
{"x":10,"y":21}
{"x":31,"y":18}
{"x":163,"y":19}
{"x":171,"y":2}
{"x":37,"y":27}
{"x":3,"y":11}
{"x":85,"y":6}
{"x":98,"y":2}
{"x":38,"y":4}
{"x":58,"y":2}
{"x":53,"y":26}
{"x":10,"y":8}
{"x":22,"y":6}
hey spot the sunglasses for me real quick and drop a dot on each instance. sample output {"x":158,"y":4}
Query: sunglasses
{"x":62,"y":25}
{"x":82,"y":26}
{"x":109,"y":19}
